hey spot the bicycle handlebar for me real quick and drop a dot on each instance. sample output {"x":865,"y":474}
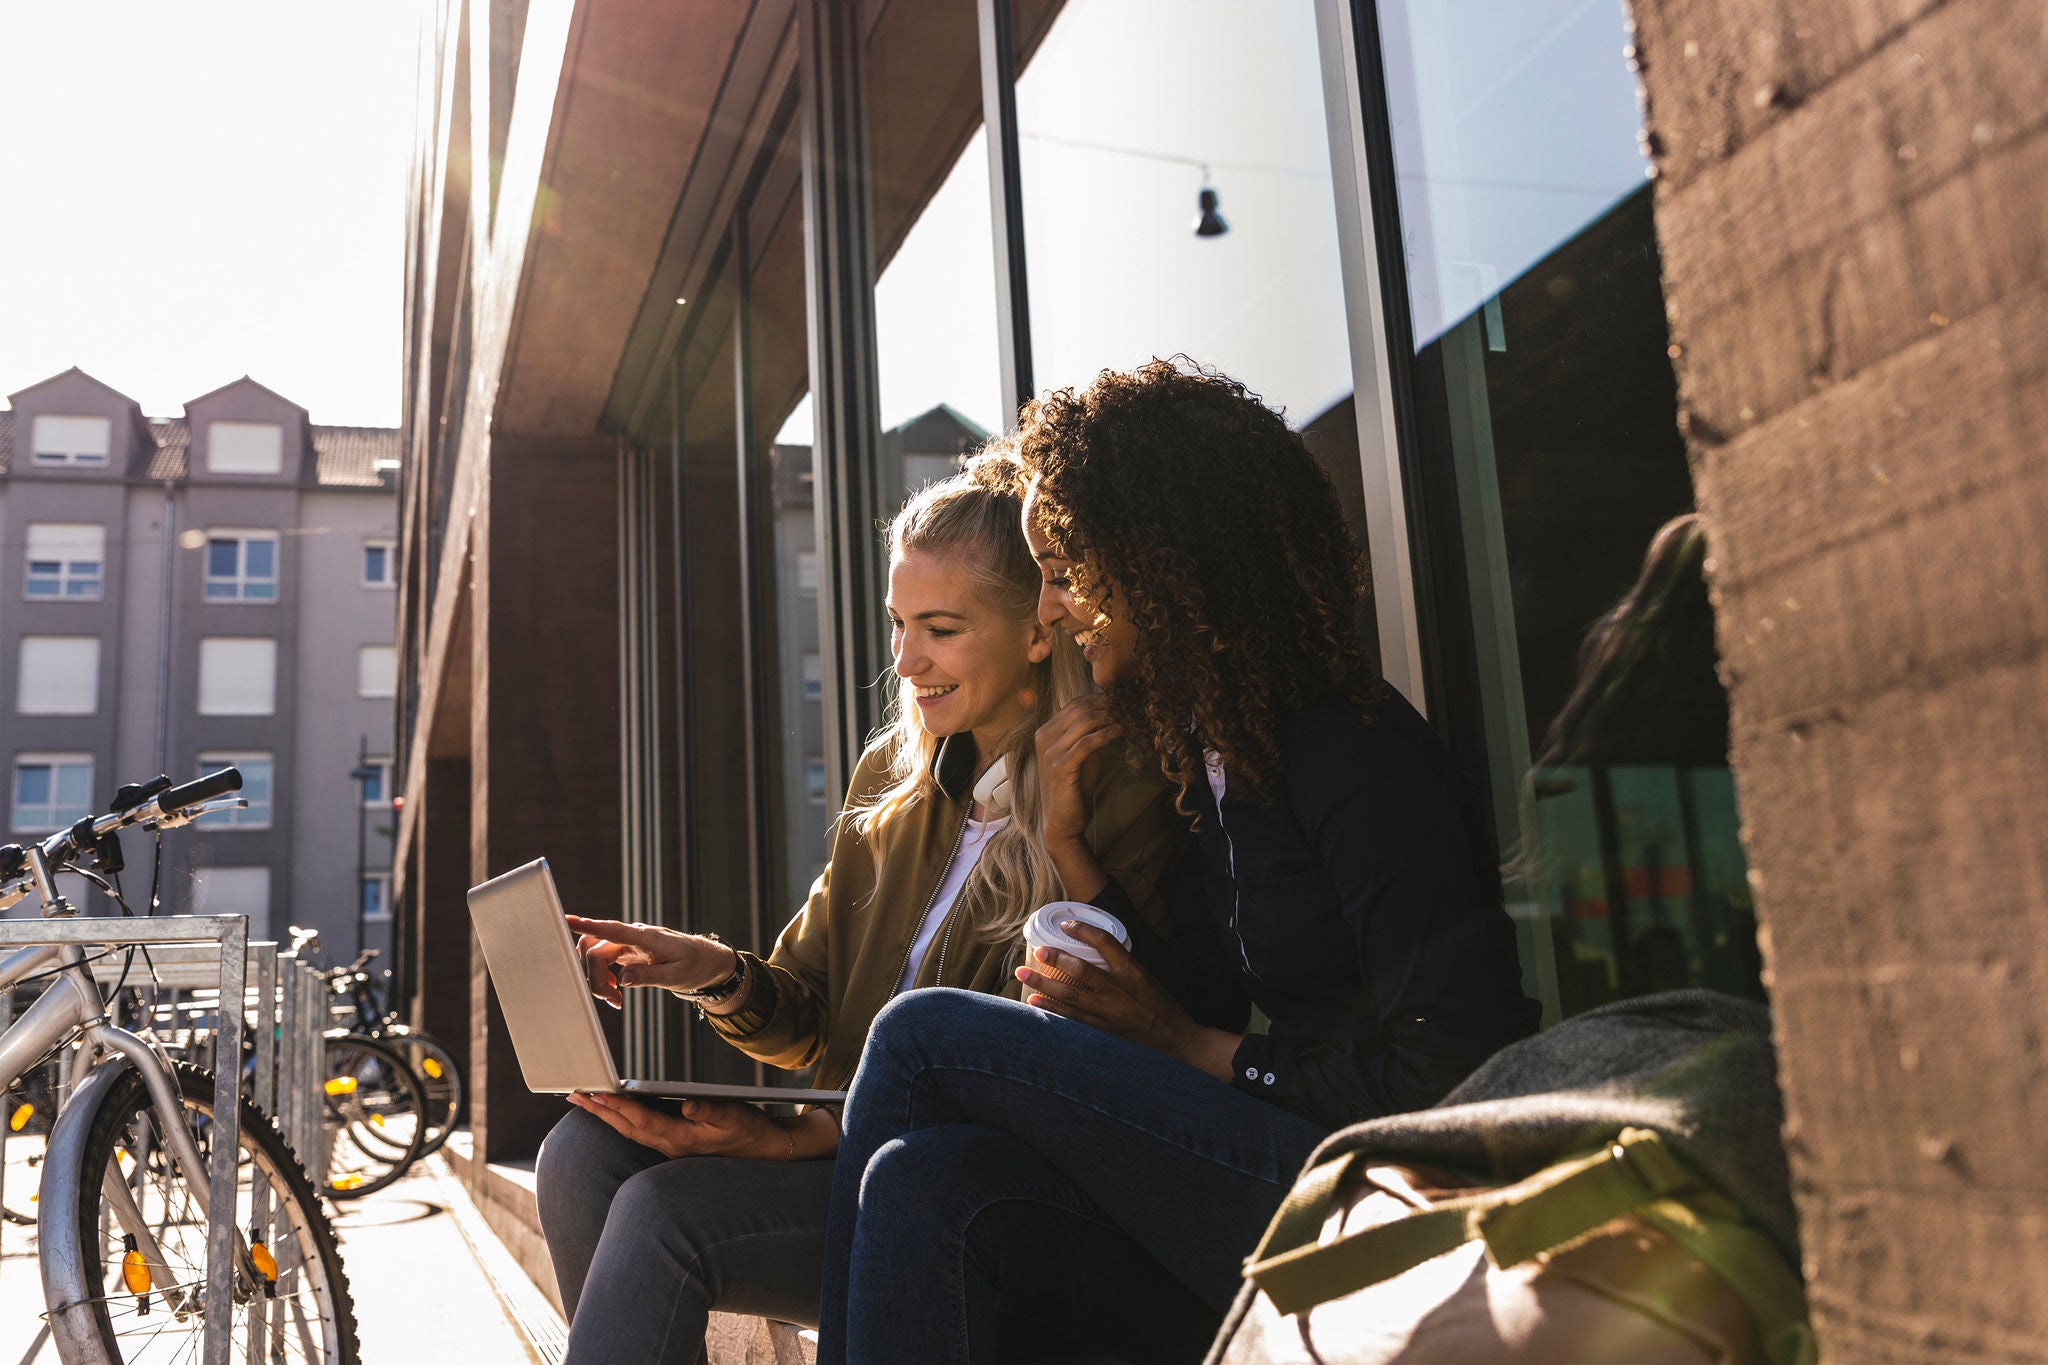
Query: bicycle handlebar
{"x":200,"y":789}
{"x":168,"y":808}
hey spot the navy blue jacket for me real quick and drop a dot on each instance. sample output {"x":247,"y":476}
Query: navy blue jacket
{"x":1358,"y":910}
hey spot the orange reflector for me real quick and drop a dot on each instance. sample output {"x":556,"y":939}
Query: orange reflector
{"x":21,"y":1117}
{"x":342,"y":1085}
{"x":377,"y":1119}
{"x":431,"y":1067}
{"x":135,"y":1273}
{"x":266,"y":1264}
{"x":345,"y":1182}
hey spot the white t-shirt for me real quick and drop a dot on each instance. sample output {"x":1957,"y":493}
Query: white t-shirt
{"x":1212,"y":762}
{"x":979,"y":832}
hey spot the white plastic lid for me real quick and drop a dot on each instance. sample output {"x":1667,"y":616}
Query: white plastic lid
{"x":1043,"y":930}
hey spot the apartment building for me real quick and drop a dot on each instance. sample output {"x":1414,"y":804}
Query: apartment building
{"x":180,"y":593}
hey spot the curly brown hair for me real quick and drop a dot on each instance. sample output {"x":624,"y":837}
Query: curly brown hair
{"x":1187,"y":505}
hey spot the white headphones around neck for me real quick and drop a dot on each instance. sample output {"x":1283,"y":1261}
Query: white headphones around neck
{"x":992,"y":792}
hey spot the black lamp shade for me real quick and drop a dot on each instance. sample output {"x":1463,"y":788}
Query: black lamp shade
{"x":1209,"y":223}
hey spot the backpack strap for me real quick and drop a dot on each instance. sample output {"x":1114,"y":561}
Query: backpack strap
{"x":1635,"y":1173}
{"x":1710,"y":1228}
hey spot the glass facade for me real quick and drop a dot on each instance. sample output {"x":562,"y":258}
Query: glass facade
{"x":1573,"y":635}
{"x":1423,"y":230}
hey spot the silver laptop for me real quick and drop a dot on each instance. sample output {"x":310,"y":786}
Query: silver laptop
{"x":548,"y":1006}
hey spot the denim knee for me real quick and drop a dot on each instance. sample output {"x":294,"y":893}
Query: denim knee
{"x":916,"y":1023}
{"x":571,"y":1172}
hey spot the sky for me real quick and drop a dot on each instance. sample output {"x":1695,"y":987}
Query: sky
{"x":206,"y":190}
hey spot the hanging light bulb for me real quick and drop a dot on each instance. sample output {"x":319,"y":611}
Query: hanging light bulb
{"x":1208,"y":222}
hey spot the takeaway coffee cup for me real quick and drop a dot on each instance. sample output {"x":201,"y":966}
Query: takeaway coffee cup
{"x":1043,"y":930}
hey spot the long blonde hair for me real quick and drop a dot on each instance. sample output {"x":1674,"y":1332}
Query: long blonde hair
{"x":977,"y":517}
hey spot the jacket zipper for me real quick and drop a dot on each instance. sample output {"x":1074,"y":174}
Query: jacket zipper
{"x":959,"y":838}
{"x":1236,"y":897}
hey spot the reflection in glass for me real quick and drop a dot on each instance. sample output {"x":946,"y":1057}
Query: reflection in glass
{"x":1550,"y":457}
{"x":783,"y":484}
{"x":1126,"y":112}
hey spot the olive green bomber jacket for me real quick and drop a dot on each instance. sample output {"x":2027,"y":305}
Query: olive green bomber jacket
{"x":837,"y":963}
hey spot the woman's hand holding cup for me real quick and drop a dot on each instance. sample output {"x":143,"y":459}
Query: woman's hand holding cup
{"x":615,"y":954}
{"x":1121,"y":997}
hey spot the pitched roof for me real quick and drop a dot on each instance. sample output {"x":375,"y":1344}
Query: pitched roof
{"x":344,"y":457}
{"x":173,"y":438}
{"x":348,"y":456}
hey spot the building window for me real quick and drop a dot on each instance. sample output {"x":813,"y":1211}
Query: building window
{"x":380,"y":564}
{"x":233,"y":891}
{"x":814,"y":779}
{"x":376,"y":896}
{"x":73,"y":440}
{"x":814,"y":678}
{"x":60,"y":676}
{"x":51,"y":791}
{"x":257,"y":786}
{"x":66,"y":559}
{"x":245,"y":448}
{"x":377,"y":787}
{"x":241,"y":566}
{"x":237,"y":676}
{"x":807,"y":572}
{"x":377,"y":671}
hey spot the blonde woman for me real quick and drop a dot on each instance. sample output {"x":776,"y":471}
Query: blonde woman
{"x":656,"y":1215}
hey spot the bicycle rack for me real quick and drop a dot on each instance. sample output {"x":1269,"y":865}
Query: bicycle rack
{"x":227,"y":936}
{"x":288,"y":1037}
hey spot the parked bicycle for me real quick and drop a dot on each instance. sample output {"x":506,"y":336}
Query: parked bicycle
{"x":360,"y":1007}
{"x":122,"y":1218}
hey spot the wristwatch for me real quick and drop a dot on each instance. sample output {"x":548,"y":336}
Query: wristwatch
{"x":724,"y":990}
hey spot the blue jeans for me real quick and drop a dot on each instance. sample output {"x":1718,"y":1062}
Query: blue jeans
{"x":996,"y":1156}
{"x":645,"y":1247}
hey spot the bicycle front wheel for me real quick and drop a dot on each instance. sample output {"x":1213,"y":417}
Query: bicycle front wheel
{"x":111,"y":1304}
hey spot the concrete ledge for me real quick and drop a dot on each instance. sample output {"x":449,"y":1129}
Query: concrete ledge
{"x":503,"y":1193}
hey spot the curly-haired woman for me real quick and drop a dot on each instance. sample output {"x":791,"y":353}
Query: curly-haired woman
{"x":657,"y":1214}
{"x":1343,"y":887}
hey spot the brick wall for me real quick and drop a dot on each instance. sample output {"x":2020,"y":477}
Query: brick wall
{"x":1853,"y":212}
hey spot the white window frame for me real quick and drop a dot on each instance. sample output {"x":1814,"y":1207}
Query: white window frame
{"x":210,"y":640}
{"x":53,"y":761}
{"x":363,"y":677}
{"x":383,"y":766}
{"x":68,"y":559}
{"x":239,"y":461}
{"x":254,"y":816}
{"x":76,"y":701}
{"x":241,"y":580}
{"x":382,"y":881}
{"x":71,"y":454}
{"x":390,"y":549}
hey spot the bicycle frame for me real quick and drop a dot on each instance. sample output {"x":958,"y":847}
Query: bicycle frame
{"x":72,"y":1007}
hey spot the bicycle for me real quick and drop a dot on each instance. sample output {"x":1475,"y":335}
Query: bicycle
{"x":123,"y":1214}
{"x":374,"y":1109}
{"x":366,"y":1016}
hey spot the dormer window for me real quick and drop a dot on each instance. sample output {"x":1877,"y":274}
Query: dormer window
{"x":81,"y":441}
{"x":245,"y":448}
